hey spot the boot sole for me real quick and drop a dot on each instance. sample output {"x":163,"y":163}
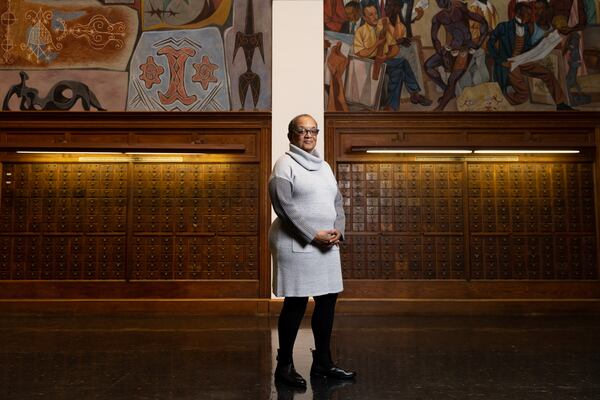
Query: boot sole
{"x":290,"y":384}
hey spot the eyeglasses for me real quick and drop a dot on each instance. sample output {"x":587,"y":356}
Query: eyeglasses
{"x":304,"y":131}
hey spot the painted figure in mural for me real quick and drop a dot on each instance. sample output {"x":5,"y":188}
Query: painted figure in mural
{"x":511,"y":8}
{"x":55,"y":99}
{"x":455,"y":55}
{"x":542,"y":27}
{"x":337,"y":64}
{"x":402,"y":14}
{"x":248,"y":41}
{"x":568,"y":15}
{"x":354,"y":16}
{"x":512,"y":38}
{"x":543,"y":21}
{"x":486,"y":9}
{"x":373,"y":40}
{"x":334,"y":15}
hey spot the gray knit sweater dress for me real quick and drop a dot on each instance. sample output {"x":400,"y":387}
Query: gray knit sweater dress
{"x":306,"y":199}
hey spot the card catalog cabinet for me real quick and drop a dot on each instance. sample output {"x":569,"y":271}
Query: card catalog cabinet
{"x":467,"y":226}
{"x":118,"y":219}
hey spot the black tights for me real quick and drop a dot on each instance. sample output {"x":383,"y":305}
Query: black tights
{"x":321,"y":323}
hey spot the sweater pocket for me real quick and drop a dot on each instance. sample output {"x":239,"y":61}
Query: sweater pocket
{"x":298,"y":247}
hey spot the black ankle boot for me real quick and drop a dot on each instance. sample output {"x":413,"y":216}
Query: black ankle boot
{"x":323,"y":366}
{"x":286,"y":373}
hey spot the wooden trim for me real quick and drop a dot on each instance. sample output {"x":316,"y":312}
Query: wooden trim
{"x":265,"y":216}
{"x":428,"y":307}
{"x":250,"y":306}
{"x":501,"y":289}
{"x":272,"y":307}
{"x":464,"y":120}
{"x":118,"y":147}
{"x":91,"y":121}
{"x":597,"y":195}
{"x":134,"y":289}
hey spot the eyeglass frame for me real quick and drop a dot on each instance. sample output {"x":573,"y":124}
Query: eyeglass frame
{"x":314,"y":132}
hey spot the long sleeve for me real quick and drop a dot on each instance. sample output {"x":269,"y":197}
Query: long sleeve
{"x":494,"y":37}
{"x":340,"y":218}
{"x":280,"y":191}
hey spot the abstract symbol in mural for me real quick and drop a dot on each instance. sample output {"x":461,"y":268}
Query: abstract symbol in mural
{"x":7,"y":19}
{"x":205,"y":72}
{"x":151,"y":72}
{"x":161,"y":14}
{"x":55,"y":99}
{"x":99,"y":32}
{"x":176,"y":91}
{"x":248,"y":41}
{"x":196,"y":71}
{"x":47,"y":31}
{"x":40,"y":43}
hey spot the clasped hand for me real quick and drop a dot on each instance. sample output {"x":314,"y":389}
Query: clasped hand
{"x":327,"y":238}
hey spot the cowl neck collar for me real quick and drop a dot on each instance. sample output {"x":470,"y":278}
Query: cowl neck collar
{"x":310,"y":161}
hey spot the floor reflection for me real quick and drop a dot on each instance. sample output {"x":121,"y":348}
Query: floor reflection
{"x":54,"y":357}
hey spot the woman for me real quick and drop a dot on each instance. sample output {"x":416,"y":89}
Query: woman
{"x":304,"y":241}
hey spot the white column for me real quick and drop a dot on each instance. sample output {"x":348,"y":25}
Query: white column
{"x":297,"y":67}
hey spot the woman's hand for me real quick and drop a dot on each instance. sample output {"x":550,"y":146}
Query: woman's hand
{"x":335,"y":239}
{"x":327,"y":238}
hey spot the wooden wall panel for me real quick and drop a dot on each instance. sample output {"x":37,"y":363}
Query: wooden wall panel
{"x":68,"y":221}
{"x":427,"y":226}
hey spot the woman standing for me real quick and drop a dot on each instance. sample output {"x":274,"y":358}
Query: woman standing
{"x":304,"y":241}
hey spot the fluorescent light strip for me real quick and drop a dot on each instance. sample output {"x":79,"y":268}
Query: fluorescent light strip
{"x":162,"y":154}
{"x":525,"y":151}
{"x":104,"y":152}
{"x":65,"y":152}
{"x":420,"y":151}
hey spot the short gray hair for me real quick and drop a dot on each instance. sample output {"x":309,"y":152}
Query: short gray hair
{"x":293,"y":125}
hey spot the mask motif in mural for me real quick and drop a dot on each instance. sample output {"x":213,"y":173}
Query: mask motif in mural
{"x":185,"y":71}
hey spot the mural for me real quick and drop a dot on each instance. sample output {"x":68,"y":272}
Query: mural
{"x":455,"y":55}
{"x":150,"y":55}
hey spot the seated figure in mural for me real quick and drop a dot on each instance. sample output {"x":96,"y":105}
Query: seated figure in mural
{"x":512,"y":38}
{"x":456,"y":55}
{"x":570,"y":18}
{"x":373,"y":40}
{"x":542,"y":27}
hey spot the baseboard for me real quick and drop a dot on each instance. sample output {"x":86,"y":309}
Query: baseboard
{"x":350,"y":306}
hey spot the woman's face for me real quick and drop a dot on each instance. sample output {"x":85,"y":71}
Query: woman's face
{"x":305,"y":141}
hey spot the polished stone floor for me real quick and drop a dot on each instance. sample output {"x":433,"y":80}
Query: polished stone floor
{"x":176,"y":357}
